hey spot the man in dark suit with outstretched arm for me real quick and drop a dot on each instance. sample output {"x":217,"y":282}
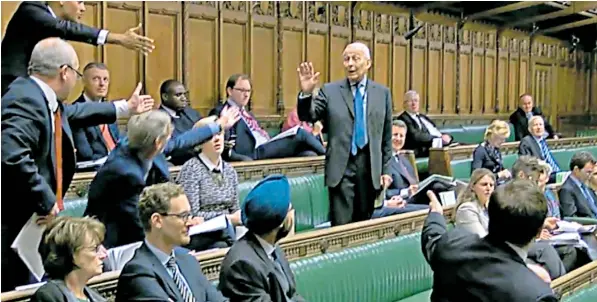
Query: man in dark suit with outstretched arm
{"x":34,"y":21}
{"x":358,"y":115}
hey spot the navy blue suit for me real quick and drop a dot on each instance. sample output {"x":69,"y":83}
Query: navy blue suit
{"x":89,"y":141}
{"x":185,"y":122}
{"x":400,"y":181}
{"x":144,"y":278}
{"x":303,"y":143}
{"x":28,"y":160}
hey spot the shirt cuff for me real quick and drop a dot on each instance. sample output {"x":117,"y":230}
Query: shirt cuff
{"x":385,"y":203}
{"x":404,"y":193}
{"x":215,"y":128}
{"x":122,"y":108}
{"x":303,"y":96}
{"x":101,"y":38}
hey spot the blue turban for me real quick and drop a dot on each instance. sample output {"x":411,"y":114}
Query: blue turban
{"x":266,"y":206}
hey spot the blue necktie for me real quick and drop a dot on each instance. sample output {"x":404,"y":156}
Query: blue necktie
{"x":359,"y":133}
{"x":548,"y":157}
{"x":589,"y":198}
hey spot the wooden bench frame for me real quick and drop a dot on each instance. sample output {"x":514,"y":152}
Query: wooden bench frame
{"x":440,"y":158}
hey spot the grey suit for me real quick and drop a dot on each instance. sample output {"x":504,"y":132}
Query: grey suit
{"x":528,"y":146}
{"x":354,"y":180}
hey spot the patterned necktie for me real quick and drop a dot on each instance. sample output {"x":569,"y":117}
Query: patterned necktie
{"x":359,"y":135}
{"x":548,"y":156}
{"x":411,"y":180}
{"x":185,"y":291}
{"x":252,"y":123}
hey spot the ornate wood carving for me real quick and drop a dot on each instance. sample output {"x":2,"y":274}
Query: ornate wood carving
{"x":316,"y":12}
{"x":291,"y":9}
{"x":339,"y":15}
{"x":205,"y":3}
{"x":450,"y":35}
{"x":265,"y":8}
{"x":363,"y":20}
{"x":235,"y":5}
{"x":383,"y":24}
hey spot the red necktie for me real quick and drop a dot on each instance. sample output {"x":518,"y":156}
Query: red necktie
{"x":253,"y":125}
{"x":58,"y":146}
{"x":110,"y":144}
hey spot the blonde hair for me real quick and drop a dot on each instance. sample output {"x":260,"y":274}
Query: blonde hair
{"x":498,"y":127}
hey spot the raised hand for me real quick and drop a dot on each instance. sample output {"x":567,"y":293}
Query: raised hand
{"x":139,"y":103}
{"x":132,"y":40}
{"x":434,"y":203}
{"x":228,"y":117}
{"x":308,"y":78}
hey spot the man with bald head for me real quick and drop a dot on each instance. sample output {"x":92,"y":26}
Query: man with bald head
{"x":37,"y":145}
{"x":358,"y":115}
{"x":525,"y":111}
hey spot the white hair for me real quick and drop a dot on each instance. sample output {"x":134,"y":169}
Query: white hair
{"x":362,"y":47}
{"x":49,"y":55}
{"x":145,"y":129}
{"x":533,"y":119}
{"x":409,"y":95}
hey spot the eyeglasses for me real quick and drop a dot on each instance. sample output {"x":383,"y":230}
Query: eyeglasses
{"x":184,"y":216}
{"x":96,"y":248}
{"x":79,"y":75}
{"x":242,"y":90}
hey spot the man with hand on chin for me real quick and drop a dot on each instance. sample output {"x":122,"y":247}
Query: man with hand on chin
{"x":358,"y":115}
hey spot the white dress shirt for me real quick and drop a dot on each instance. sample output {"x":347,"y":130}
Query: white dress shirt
{"x":432,"y":130}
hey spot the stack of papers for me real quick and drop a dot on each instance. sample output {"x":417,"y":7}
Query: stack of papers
{"x":215,"y":224}
{"x":574,"y":227}
{"x":91,"y":163}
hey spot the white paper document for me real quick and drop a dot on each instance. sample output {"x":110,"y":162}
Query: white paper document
{"x":91,"y":163}
{"x":447,"y":198}
{"x":215,"y":224}
{"x":288,"y":133}
{"x":574,"y":227}
{"x":27,"y":244}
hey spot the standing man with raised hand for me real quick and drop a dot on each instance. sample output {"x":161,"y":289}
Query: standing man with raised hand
{"x":38,"y":157}
{"x":358,"y":115}
{"x":34,"y":21}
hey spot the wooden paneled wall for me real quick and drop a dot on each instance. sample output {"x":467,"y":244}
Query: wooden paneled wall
{"x":458,"y":70}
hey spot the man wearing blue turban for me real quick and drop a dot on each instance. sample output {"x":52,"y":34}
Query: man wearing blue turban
{"x":255,"y":268}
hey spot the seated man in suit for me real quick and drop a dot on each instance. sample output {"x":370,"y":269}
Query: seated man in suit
{"x":464,"y":263}
{"x":255,"y":268}
{"x":404,"y":179}
{"x":252,"y":141}
{"x":535,"y":145}
{"x":160,"y":270}
{"x":95,"y":142}
{"x":576,"y":198}
{"x":522,"y":116}
{"x":139,"y":161}
{"x":421,"y":130}
{"x":175,"y":102}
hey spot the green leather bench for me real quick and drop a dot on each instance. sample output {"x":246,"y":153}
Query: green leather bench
{"x":473,"y":134}
{"x":309,"y":197}
{"x":385,"y":271}
{"x":587,"y":294}
{"x":461,"y":169}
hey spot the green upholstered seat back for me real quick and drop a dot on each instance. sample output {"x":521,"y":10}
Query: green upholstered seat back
{"x":74,"y":207}
{"x":384,"y":271}
{"x":588,"y":294}
{"x":472,"y":134}
{"x":320,"y":203}
{"x":422,"y":165}
{"x":461,"y":169}
{"x":509,"y":160}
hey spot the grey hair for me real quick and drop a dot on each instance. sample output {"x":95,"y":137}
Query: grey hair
{"x":409,"y":95}
{"x":145,"y":129}
{"x":399,"y":124}
{"x":534,"y":118}
{"x":362,"y":47}
{"x":49,"y":55}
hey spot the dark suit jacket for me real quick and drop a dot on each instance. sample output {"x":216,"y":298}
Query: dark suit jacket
{"x":334,"y":105}
{"x":416,"y":138}
{"x":573,"y":202}
{"x":529,"y":146}
{"x":114,"y":193}
{"x":28,"y":147}
{"x":244,"y":148}
{"x":399,"y":179}
{"x":521,"y":123}
{"x":56,"y":291}
{"x":19,"y":40}
{"x":468,"y":268}
{"x":89,"y":141}
{"x":248,"y":274}
{"x":186,"y":121}
{"x":144,"y":278}
{"x":483,"y":158}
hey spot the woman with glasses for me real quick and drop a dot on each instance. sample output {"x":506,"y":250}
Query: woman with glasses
{"x":211,"y":185}
{"x":487,"y":155}
{"x":72,"y":254}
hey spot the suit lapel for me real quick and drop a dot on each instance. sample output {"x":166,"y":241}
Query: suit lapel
{"x":161,"y":273}
{"x":286,"y":269}
{"x":537,"y":148}
{"x":347,"y":96}
{"x":370,"y":92}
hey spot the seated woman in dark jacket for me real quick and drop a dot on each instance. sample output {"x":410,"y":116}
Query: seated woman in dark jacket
{"x":72,"y":254}
{"x":211,"y":185}
{"x":487,"y":155}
